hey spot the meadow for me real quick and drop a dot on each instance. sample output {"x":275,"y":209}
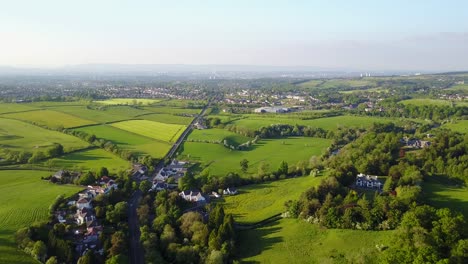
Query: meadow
{"x":458,"y":126}
{"x":259,"y":201}
{"x":151,"y":129}
{"x":218,"y":135}
{"x":50,"y":119}
{"x":219,"y":160}
{"x":337,"y":83}
{"x":128,"y":101}
{"x":167,"y":118}
{"x":92,"y":159}
{"x":24,"y":199}
{"x":12,"y":108}
{"x":21,"y":136}
{"x":296,"y":241}
{"x":129,"y":141}
{"x":103,"y":115}
{"x":172,"y":110}
{"x":427,"y":101}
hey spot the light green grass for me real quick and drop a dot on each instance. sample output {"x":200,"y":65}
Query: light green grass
{"x":21,"y":136}
{"x":129,"y":141}
{"x":458,"y":126}
{"x":128,"y":101}
{"x":10,"y":108}
{"x":311,"y":83}
{"x":90,"y":160}
{"x":168,"y":118}
{"x":105,"y":114}
{"x":295,"y":241}
{"x":436,"y":102}
{"x":260,"y":201}
{"x":444,"y":195}
{"x":151,"y":129}
{"x":217,"y":134}
{"x":24,"y":199}
{"x":50,"y":119}
{"x":221,"y":160}
{"x":172,"y":110}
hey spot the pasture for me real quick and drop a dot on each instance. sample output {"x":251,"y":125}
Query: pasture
{"x":50,"y":119}
{"x":260,"y":201}
{"x":458,"y":126}
{"x":151,"y":129}
{"x":89,"y":160}
{"x":296,"y":241}
{"x":12,"y":108}
{"x":427,"y":101}
{"x":172,"y":110}
{"x":219,"y":160}
{"x":105,"y":114}
{"x":129,"y":141}
{"x":21,"y":136}
{"x":128,"y":101}
{"x":168,"y":118}
{"x":218,"y":135}
{"x":24,"y":199}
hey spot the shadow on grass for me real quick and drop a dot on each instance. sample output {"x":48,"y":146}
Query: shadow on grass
{"x":443,"y":192}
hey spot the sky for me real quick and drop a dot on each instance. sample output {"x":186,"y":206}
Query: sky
{"x":360,"y":35}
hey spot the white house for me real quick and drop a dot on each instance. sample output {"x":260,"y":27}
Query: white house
{"x":230,"y":191}
{"x":192,"y":196}
{"x":367,"y":181}
{"x":83,"y":203}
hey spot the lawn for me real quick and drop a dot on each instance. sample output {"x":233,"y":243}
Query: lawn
{"x":105,"y":114}
{"x":90,"y":160}
{"x":458,"y":126}
{"x":151,"y":129}
{"x":21,"y":136}
{"x":217,"y":134}
{"x":260,"y":201}
{"x":296,"y":241}
{"x":50,"y":119}
{"x":24,"y":199}
{"x":128,"y":101}
{"x":11,"y":108}
{"x":168,"y":118}
{"x":129,"y":141}
{"x":220,"y":160}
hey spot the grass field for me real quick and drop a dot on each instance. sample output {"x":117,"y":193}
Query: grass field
{"x":311,"y":83}
{"x":24,"y":199}
{"x":17,"y":135}
{"x":128,"y":101}
{"x":296,"y":241}
{"x":260,"y":201}
{"x":172,"y":110}
{"x":10,"y":108}
{"x":168,"y":118}
{"x":328,"y":123}
{"x":436,"y":102}
{"x":220,"y":160}
{"x":51,"y":119}
{"x":90,"y":160}
{"x":129,"y":141}
{"x":458,"y":126}
{"x":103,"y":115}
{"x":151,"y":129}
{"x":218,"y":134}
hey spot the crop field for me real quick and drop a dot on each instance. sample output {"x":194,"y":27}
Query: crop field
{"x":220,"y":160}
{"x":128,"y":101}
{"x":259,"y":201}
{"x":168,"y":118}
{"x":103,"y":115}
{"x":458,"y":87}
{"x":445,"y":195}
{"x":129,"y":141}
{"x":311,"y":83}
{"x":20,"y":136}
{"x":172,"y":110}
{"x":151,"y":129}
{"x":11,"y":108}
{"x":420,"y":102}
{"x":218,"y":135}
{"x":336,"y":83}
{"x":51,"y":119}
{"x":327,"y":123}
{"x":296,"y":241}
{"x":24,"y":199}
{"x":90,"y":160}
{"x":458,"y":126}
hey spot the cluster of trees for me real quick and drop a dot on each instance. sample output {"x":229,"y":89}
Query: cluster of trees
{"x":26,"y":157}
{"x":205,"y":236}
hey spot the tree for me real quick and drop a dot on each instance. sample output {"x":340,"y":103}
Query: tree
{"x":87,"y":179}
{"x":87,"y":258}
{"x":118,"y":242}
{"x":145,"y":186}
{"x":283,"y":168}
{"x":52,"y":260}
{"x":117,"y":259}
{"x":244,"y":165}
{"x":39,"y":250}
{"x":103,"y":171}
{"x":215,"y":257}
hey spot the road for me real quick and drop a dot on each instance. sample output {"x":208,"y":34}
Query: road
{"x":136,"y":250}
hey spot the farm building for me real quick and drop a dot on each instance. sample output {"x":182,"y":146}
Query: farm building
{"x":230,"y":191}
{"x":368,"y":181}
{"x":272,"y":109}
{"x":192,"y":196}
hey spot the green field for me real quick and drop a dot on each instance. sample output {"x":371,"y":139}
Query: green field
{"x":172,"y":110}
{"x":327,"y":123}
{"x":444,"y":195}
{"x":337,"y":83}
{"x":105,"y":114}
{"x":296,"y":241}
{"x":168,"y":118}
{"x":50,"y":119}
{"x":221,"y":160}
{"x":24,"y":199}
{"x":129,"y":141}
{"x":128,"y":101}
{"x":90,"y":160}
{"x":151,"y":129}
{"x":218,"y":135}
{"x":458,"y":126}
{"x":20,"y":136}
{"x":436,"y":102}
{"x":260,"y":201}
{"x":10,"y":108}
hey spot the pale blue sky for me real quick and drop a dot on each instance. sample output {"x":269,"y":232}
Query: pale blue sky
{"x":420,"y":35}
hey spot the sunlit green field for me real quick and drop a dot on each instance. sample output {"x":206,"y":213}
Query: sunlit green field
{"x":24,"y":199}
{"x":11,"y":108}
{"x":458,"y":126}
{"x":129,"y":141}
{"x":168,"y":118}
{"x":216,"y":134}
{"x":445,"y":195}
{"x":437,"y":102}
{"x":151,"y":129}
{"x":52,"y":119}
{"x":128,"y":101}
{"x":110,"y":113}
{"x":21,"y":136}
{"x":220,"y":160}
{"x":259,"y":201}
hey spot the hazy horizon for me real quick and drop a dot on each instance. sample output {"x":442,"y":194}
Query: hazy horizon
{"x":355,"y":35}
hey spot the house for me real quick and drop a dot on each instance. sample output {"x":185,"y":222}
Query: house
{"x":415,"y":143}
{"x":192,"y":196}
{"x":111,"y":185}
{"x":83,"y":203}
{"x":367,"y":181}
{"x":230,"y":191}
{"x":61,"y":216}
{"x":60,"y":174}
{"x":104,"y":180}
{"x":83,"y":215}
{"x":272,"y":109}
{"x":159,"y":186}
{"x":200,"y":125}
